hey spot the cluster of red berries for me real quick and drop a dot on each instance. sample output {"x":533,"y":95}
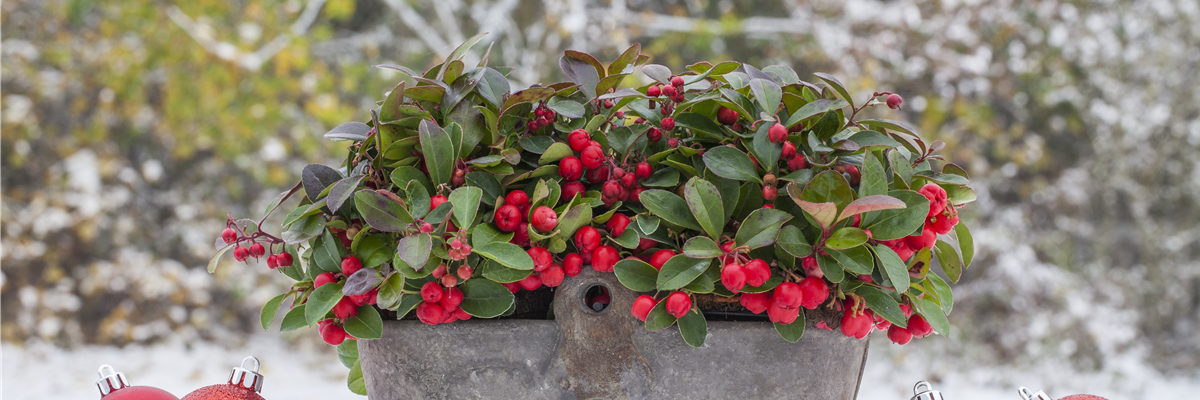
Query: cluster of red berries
{"x":440,"y":304}
{"x":858,"y":322}
{"x":618,"y":184}
{"x":674,"y":91}
{"x":543,"y":117}
{"x":256,"y":250}
{"x":331,"y":329}
{"x":941,"y":219}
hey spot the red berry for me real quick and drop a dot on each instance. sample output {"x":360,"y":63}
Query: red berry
{"x":811,"y":267}
{"x":544,"y":219}
{"x":571,"y":189}
{"x":229,"y":235}
{"x":436,"y":201}
{"x":426,"y":227}
{"x":592,"y":157}
{"x":451,"y":299}
{"x":678,"y":304}
{"x":430,"y":313}
{"x":944,"y":222}
{"x":769,"y":193}
{"x":578,"y":140}
{"x":333,"y":335}
{"x":777,"y":133}
{"x":517,"y":198}
{"x":654,"y":134}
{"x":894,"y":101}
{"x":531,"y":282}
{"x":610,"y":192}
{"x":507,"y":218}
{"x":635,"y":195}
{"x":597,"y":175}
{"x":369,"y":297}
{"x":431,"y":292}
{"x":673,"y":143}
{"x":726,"y":116}
{"x":900,"y":246}
{"x":541,"y":258}
{"x":629,"y":181}
{"x":781,"y":313}
{"x":787,"y":294}
{"x":604,"y":257}
{"x":645,"y":244}
{"x":676,"y":81}
{"x":937,"y":198}
{"x":572,"y":264}
{"x":856,"y":326}
{"x":449,"y":280}
{"x":852,"y":171}
{"x":465,"y":272}
{"x":587,"y":239}
{"x":285,"y":259}
{"x":642,"y":306}
{"x":644,"y":170}
{"x":668,"y":91}
{"x":814,"y":292}
{"x":350,"y":265}
{"x":570,"y":168}
{"x":757,"y":272}
{"x":919,"y":326}
{"x":756,"y":302}
{"x":552,"y":276}
{"x":768,"y":206}
{"x":733,"y":276}
{"x":789,"y":151}
{"x":521,"y":235}
{"x":898,"y":335}
{"x":323,"y":278}
{"x":926,"y":239}
{"x":797,"y":163}
{"x":617,"y":224}
{"x":668,"y":123}
{"x":512,"y":287}
{"x":608,"y":104}
{"x":345,"y":308}
{"x":273,"y":261}
{"x":440,"y":271}
{"x":660,"y":258}
{"x":241,"y":253}
{"x":653,"y":91}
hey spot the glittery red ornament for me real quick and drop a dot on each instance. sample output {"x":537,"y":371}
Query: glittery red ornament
{"x":113,"y":386}
{"x":244,"y":384}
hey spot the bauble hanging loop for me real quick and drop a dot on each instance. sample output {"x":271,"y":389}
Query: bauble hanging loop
{"x":114,"y":386}
{"x":243,"y":384}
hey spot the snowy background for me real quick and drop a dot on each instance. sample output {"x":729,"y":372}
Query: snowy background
{"x":130,"y":129}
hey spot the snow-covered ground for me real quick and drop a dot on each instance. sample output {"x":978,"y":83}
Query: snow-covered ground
{"x":303,"y":369}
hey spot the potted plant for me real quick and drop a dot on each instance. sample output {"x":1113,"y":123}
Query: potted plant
{"x":731,"y":202}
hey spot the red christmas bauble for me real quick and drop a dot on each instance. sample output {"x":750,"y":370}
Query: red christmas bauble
{"x":114,"y":386}
{"x":243,"y":384}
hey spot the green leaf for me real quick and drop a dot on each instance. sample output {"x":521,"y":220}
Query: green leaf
{"x":659,"y":319}
{"x":582,"y":69}
{"x":764,"y":151}
{"x":499,"y":273}
{"x":483,"y":298}
{"x":942,"y":290}
{"x":791,"y":332}
{"x":316,"y":178}
{"x":555,"y":152}
{"x":566,"y":108}
{"x":348,"y":353}
{"x":648,"y":224}
{"x":408,"y":302}
{"x":819,"y":106}
{"x":966,"y":244}
{"x":628,"y":239}
{"x":381,"y":212}
{"x":898,"y":223}
{"x":636,"y":274}
{"x":871,"y":140}
{"x":702,"y":247}
{"x":668,"y":206}
{"x":366,"y":325}
{"x":355,"y":381}
{"x":415,"y":249}
{"x":699,"y":123}
{"x":704,"y":200}
{"x":900,"y":166}
{"x":858,"y":260}
{"x":836,"y":85}
{"x":832,"y":269}
{"x":327,"y":253}
{"x":294,"y":319}
{"x":761,"y":228}
{"x":390,"y":291}
{"x":822,"y":213}
{"x":929,"y":309}
{"x":488,"y":183}
{"x":300,"y":231}
{"x":484,"y":233}
{"x":507,"y":254}
{"x":212,"y":262}
{"x":268,"y":311}
{"x":341,"y":191}
{"x":792,"y":241}
{"x":402,"y":175}
{"x":827,"y":126}
{"x":893,"y":267}
{"x":730,"y":163}
{"x":321,"y":301}
{"x":949,"y":260}
{"x":575,"y":218}
{"x":883,"y":305}
{"x":438,"y":150}
{"x":846,"y":238}
{"x":356,"y":131}
{"x":693,"y":328}
{"x":873,"y":177}
{"x":768,"y":94}
{"x":466,"y":204}
{"x":680,"y":271}
{"x":664,"y":177}
{"x":829,"y":186}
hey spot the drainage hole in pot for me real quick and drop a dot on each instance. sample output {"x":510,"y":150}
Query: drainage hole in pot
{"x":596,"y":298}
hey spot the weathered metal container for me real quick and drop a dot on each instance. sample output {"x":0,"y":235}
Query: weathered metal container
{"x":585,"y":354}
